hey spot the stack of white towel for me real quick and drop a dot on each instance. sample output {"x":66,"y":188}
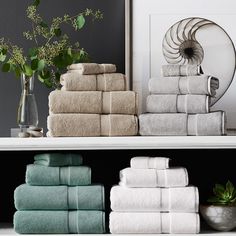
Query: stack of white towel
{"x":153,"y":198}
{"x":179,"y":103}
{"x":92,"y":102}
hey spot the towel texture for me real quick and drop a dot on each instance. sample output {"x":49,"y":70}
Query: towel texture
{"x":59,"y":222}
{"x":154,"y":223}
{"x":180,"y":70}
{"x":174,"y":103}
{"x":92,"y":68}
{"x":58,"y":159}
{"x":66,"y":175}
{"x":119,"y":125}
{"x":202,"y":84}
{"x":59,"y":197}
{"x":74,"y":125}
{"x":159,"y":163}
{"x":182,"y":124}
{"x":183,"y":199}
{"x":174,"y":177}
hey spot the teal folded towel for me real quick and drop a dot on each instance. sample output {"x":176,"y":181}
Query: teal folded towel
{"x":58,"y":159}
{"x":65,"y":175}
{"x":59,"y":222}
{"x":59,"y":197}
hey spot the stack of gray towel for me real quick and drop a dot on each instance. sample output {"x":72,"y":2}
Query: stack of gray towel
{"x":92,"y":102}
{"x":58,"y":197}
{"x":179,"y":104}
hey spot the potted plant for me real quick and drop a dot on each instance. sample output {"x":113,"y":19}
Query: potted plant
{"x":220,"y":214}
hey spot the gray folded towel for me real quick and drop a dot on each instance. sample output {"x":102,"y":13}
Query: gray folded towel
{"x":174,"y":103}
{"x":180,"y":70}
{"x":182,"y":124}
{"x":202,"y":84}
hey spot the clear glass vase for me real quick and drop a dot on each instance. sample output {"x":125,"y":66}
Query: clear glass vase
{"x":27,"y":111}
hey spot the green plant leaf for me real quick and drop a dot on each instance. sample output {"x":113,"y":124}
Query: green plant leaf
{"x":48,"y":83}
{"x":27,"y":70}
{"x":219,"y":190}
{"x":58,"y":61}
{"x":2,"y":57}
{"x":33,"y":52}
{"x":40,"y":78}
{"x":230,"y":188}
{"x":34,"y":64}
{"x":213,"y":199}
{"x":43,"y":24}
{"x":6,"y":67}
{"x":17,"y":71}
{"x":36,"y":2}
{"x":41,"y":65}
{"x":80,"y":21}
{"x":57,"y":32}
{"x":57,"y":76}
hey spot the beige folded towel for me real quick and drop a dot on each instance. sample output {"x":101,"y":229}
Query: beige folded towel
{"x":92,"y":68}
{"x":111,"y":82}
{"x":73,"y":125}
{"x":77,"y":82}
{"x":119,"y":125}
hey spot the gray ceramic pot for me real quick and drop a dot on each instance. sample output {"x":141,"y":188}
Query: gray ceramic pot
{"x":222,"y":218}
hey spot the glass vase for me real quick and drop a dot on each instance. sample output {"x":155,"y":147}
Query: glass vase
{"x":27,"y":111}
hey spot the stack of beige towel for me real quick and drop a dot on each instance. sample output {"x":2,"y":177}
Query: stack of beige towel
{"x":92,"y":102}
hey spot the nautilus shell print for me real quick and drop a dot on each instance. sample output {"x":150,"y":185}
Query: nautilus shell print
{"x":201,"y":41}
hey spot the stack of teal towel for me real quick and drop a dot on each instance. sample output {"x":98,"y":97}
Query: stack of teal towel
{"x":58,"y":197}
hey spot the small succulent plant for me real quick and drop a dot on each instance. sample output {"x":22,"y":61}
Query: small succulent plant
{"x":223,"y":195}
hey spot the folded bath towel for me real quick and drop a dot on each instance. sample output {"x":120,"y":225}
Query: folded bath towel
{"x":174,"y":177}
{"x":59,"y":222}
{"x":182,"y":124}
{"x":77,"y":82}
{"x":73,"y":125}
{"x":92,"y":68}
{"x":159,"y":163}
{"x":111,"y":82}
{"x":75,"y":102}
{"x":89,"y":197}
{"x":182,"y":199}
{"x":180,"y":70}
{"x":154,"y":223}
{"x":174,"y":103}
{"x":202,"y":84}
{"x":58,"y":159}
{"x":66,"y":175}
{"x":119,"y":125}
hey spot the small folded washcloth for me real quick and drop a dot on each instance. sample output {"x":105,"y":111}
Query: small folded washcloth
{"x":154,"y":223}
{"x":182,"y":199}
{"x":66,"y":175}
{"x":152,"y":178}
{"x":59,"y":222}
{"x":92,"y":68}
{"x":89,"y":197}
{"x":159,"y":163}
{"x":202,"y":84}
{"x":180,"y":70}
{"x":174,"y":103}
{"x":182,"y":124}
{"x":58,"y":159}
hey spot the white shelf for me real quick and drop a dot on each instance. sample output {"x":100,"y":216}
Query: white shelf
{"x":109,"y":143}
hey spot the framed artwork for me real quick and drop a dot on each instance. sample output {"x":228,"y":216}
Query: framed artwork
{"x":156,"y":30}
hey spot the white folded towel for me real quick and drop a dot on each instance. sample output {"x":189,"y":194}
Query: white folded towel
{"x":154,"y":223}
{"x":182,"y":199}
{"x":159,"y":163}
{"x":173,"y":177}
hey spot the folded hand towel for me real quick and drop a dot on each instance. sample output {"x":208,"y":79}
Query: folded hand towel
{"x":111,"y":82}
{"x":119,"y":125}
{"x":58,"y":159}
{"x":92,"y":68}
{"x":182,"y":199}
{"x":154,"y":223}
{"x":159,"y":163}
{"x":59,"y":222}
{"x":174,"y":103}
{"x":66,"y":175}
{"x":202,"y":84}
{"x":174,"y":177}
{"x":75,"y":102}
{"x":74,"y":125}
{"x":59,"y":197}
{"x":77,"y":82}
{"x":182,"y":124}
{"x":177,"y":70}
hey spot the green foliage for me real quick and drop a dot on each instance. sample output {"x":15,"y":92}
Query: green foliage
{"x":224,"y":195}
{"x":52,"y":51}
